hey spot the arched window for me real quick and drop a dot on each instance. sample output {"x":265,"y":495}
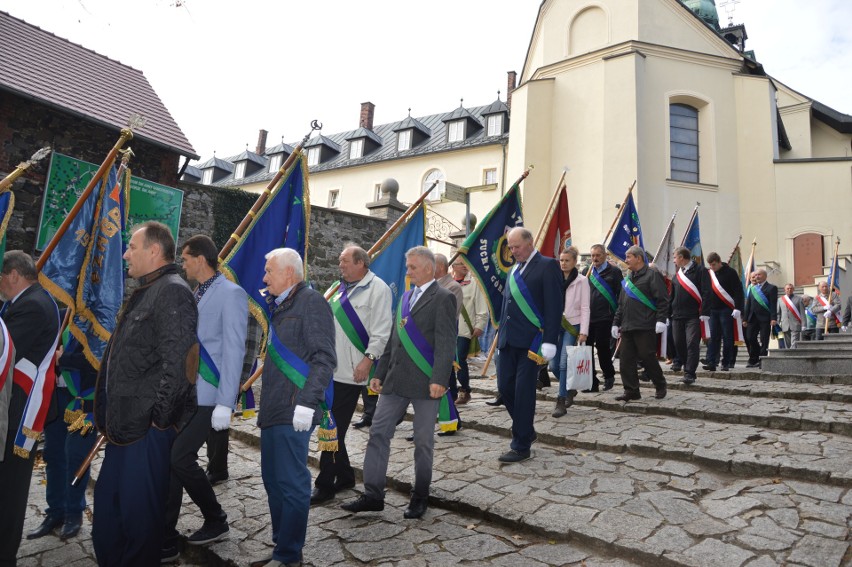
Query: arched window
{"x":431,"y":176}
{"x":683,"y":136}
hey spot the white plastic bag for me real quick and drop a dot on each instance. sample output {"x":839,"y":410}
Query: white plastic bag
{"x":579,"y":370}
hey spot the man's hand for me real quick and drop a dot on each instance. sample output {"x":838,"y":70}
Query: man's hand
{"x":476,"y":333}
{"x":773,"y":323}
{"x":660,"y":327}
{"x":303,"y":418}
{"x":362,"y":371}
{"x":221,"y":418}
{"x":615,"y":332}
{"x":436,"y":391}
{"x":376,"y":385}
{"x":548,"y":351}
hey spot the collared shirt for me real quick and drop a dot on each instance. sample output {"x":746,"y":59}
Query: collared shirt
{"x":523,"y":265}
{"x":687,"y":267}
{"x":423,"y":288}
{"x":280,"y":299}
{"x":11,"y":301}
{"x":203,"y":287}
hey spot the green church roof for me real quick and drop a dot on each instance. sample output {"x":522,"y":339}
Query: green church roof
{"x":704,"y":9}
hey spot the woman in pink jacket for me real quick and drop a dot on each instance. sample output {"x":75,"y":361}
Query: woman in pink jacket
{"x":575,"y":322}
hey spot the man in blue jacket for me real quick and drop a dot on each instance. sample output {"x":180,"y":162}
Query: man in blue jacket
{"x":529,"y":326}
{"x":222,"y":323}
{"x":299,"y":362}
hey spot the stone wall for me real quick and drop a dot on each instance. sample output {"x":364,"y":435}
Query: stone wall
{"x":26,"y":126}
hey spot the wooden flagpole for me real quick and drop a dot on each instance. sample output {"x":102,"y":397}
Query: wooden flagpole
{"x":831,"y":275}
{"x":6,"y":183}
{"x":126,"y":134}
{"x":689,"y":224}
{"x":731,"y":256}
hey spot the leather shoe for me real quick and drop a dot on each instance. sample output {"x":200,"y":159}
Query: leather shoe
{"x":498,"y":401}
{"x":513,"y":456}
{"x":364,"y":504}
{"x":660,"y":393}
{"x":71,"y":527}
{"x":364,"y":422}
{"x":216,"y":478}
{"x":710,"y":367}
{"x":416,"y":508}
{"x":320,"y":495}
{"x":48,"y":525}
{"x":688,"y":379}
{"x":464,"y":397}
{"x":753,"y":365}
{"x":625,"y":397}
{"x":676,"y":368}
{"x":609,"y":385}
{"x":340,"y":486}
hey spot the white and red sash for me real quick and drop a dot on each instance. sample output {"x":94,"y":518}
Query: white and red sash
{"x":739,"y":336}
{"x":38,"y":383}
{"x":690,"y":288}
{"x":791,"y":308}
{"x":824,"y":302}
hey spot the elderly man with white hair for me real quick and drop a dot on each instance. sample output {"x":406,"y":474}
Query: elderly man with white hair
{"x":299,"y":363}
{"x":759,"y":316}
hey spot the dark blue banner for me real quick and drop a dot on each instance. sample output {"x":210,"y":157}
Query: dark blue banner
{"x":389,"y":262}
{"x":282,"y":222}
{"x":692,"y":240}
{"x":486,"y":252}
{"x":627,"y":232}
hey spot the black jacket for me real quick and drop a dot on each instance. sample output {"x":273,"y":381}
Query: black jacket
{"x":599,"y":308}
{"x":149,"y":367}
{"x":633,"y":315}
{"x":683,"y":304}
{"x":730,"y":281}
{"x":755,"y":312}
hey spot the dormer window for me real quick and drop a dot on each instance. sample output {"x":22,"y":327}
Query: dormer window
{"x":207,"y":176}
{"x":240,"y":170}
{"x":313,"y":156}
{"x":495,"y":124}
{"x":403,"y":140}
{"x":356,"y":148}
{"x":275,"y":162}
{"x":455,"y":131}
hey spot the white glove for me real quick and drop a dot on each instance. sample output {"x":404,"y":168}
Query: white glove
{"x":221,"y":418}
{"x":736,"y":314}
{"x":843,"y":328}
{"x":615,"y":332}
{"x":303,"y":418}
{"x":705,"y":318}
{"x":548,"y":351}
{"x":660,"y":328}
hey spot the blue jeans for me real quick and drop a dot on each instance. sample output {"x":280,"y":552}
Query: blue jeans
{"x":284,"y":469}
{"x":63,"y":453}
{"x":721,"y":334}
{"x":567,"y":340}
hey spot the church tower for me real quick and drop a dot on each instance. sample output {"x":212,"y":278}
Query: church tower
{"x":706,"y":10}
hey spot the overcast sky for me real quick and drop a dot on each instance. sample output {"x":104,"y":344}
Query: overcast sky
{"x":226,"y":69}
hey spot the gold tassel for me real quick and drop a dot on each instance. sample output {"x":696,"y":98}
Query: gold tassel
{"x":21,"y":452}
{"x":538,"y":359}
{"x":72,"y":416}
{"x":327,"y":439}
{"x":249,"y":414}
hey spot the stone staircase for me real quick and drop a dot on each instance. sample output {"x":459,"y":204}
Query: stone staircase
{"x":829,"y":357}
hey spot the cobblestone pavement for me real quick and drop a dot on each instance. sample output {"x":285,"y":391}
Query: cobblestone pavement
{"x":738,"y":471}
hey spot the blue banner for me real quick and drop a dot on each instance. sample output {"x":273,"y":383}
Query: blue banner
{"x":833,"y":280}
{"x":389,"y":262}
{"x":282,"y":222}
{"x":7,"y":205}
{"x":486,"y":252}
{"x":85,"y":270}
{"x":628,"y":231}
{"x":692,"y":240}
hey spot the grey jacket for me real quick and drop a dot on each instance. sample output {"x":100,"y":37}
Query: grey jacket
{"x":787,"y":320}
{"x":633,"y":315}
{"x":435,"y":316}
{"x":305,"y":325}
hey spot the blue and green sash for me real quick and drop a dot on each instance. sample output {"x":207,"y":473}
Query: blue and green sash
{"x":569,"y":328}
{"x":351,"y":324}
{"x":415,"y":344}
{"x":604,"y":289}
{"x":634,"y":292}
{"x":77,"y":418}
{"x":296,"y":370}
{"x":448,"y":415}
{"x":206,"y":367}
{"x":811,"y":317}
{"x":759,"y":296}
{"x":522,"y":296}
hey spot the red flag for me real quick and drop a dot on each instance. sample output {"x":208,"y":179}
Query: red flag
{"x":558,"y":234}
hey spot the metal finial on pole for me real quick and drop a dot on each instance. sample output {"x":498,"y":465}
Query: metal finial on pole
{"x":23,"y":166}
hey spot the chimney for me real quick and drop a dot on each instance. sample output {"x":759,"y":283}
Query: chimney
{"x":510,"y":86}
{"x":366,"y":120}
{"x":261,"y":142}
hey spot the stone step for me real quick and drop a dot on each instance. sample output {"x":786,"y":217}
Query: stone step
{"x":827,"y":352}
{"x":655,"y":511}
{"x":841,"y":346}
{"x":838,"y":337}
{"x":762,"y":389}
{"x":801,"y":363}
{"x":792,"y":415}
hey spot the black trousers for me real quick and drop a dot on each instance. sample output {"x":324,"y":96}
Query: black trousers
{"x":187,"y":475}
{"x":687,"y":338}
{"x":757,"y":340}
{"x":15,"y":475}
{"x":369,"y":403}
{"x":334,"y":466}
{"x":639,"y":346}
{"x":217,"y":451}
{"x":599,"y":335}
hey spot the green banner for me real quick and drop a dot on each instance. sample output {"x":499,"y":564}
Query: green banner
{"x":68,"y":177}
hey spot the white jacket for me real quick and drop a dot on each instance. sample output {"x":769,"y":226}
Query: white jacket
{"x":371,"y":298}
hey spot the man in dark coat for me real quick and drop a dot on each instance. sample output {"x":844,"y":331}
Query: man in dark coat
{"x":759,"y":316}
{"x":688,"y":310}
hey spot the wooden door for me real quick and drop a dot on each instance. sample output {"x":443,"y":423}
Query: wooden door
{"x":807,"y":258}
